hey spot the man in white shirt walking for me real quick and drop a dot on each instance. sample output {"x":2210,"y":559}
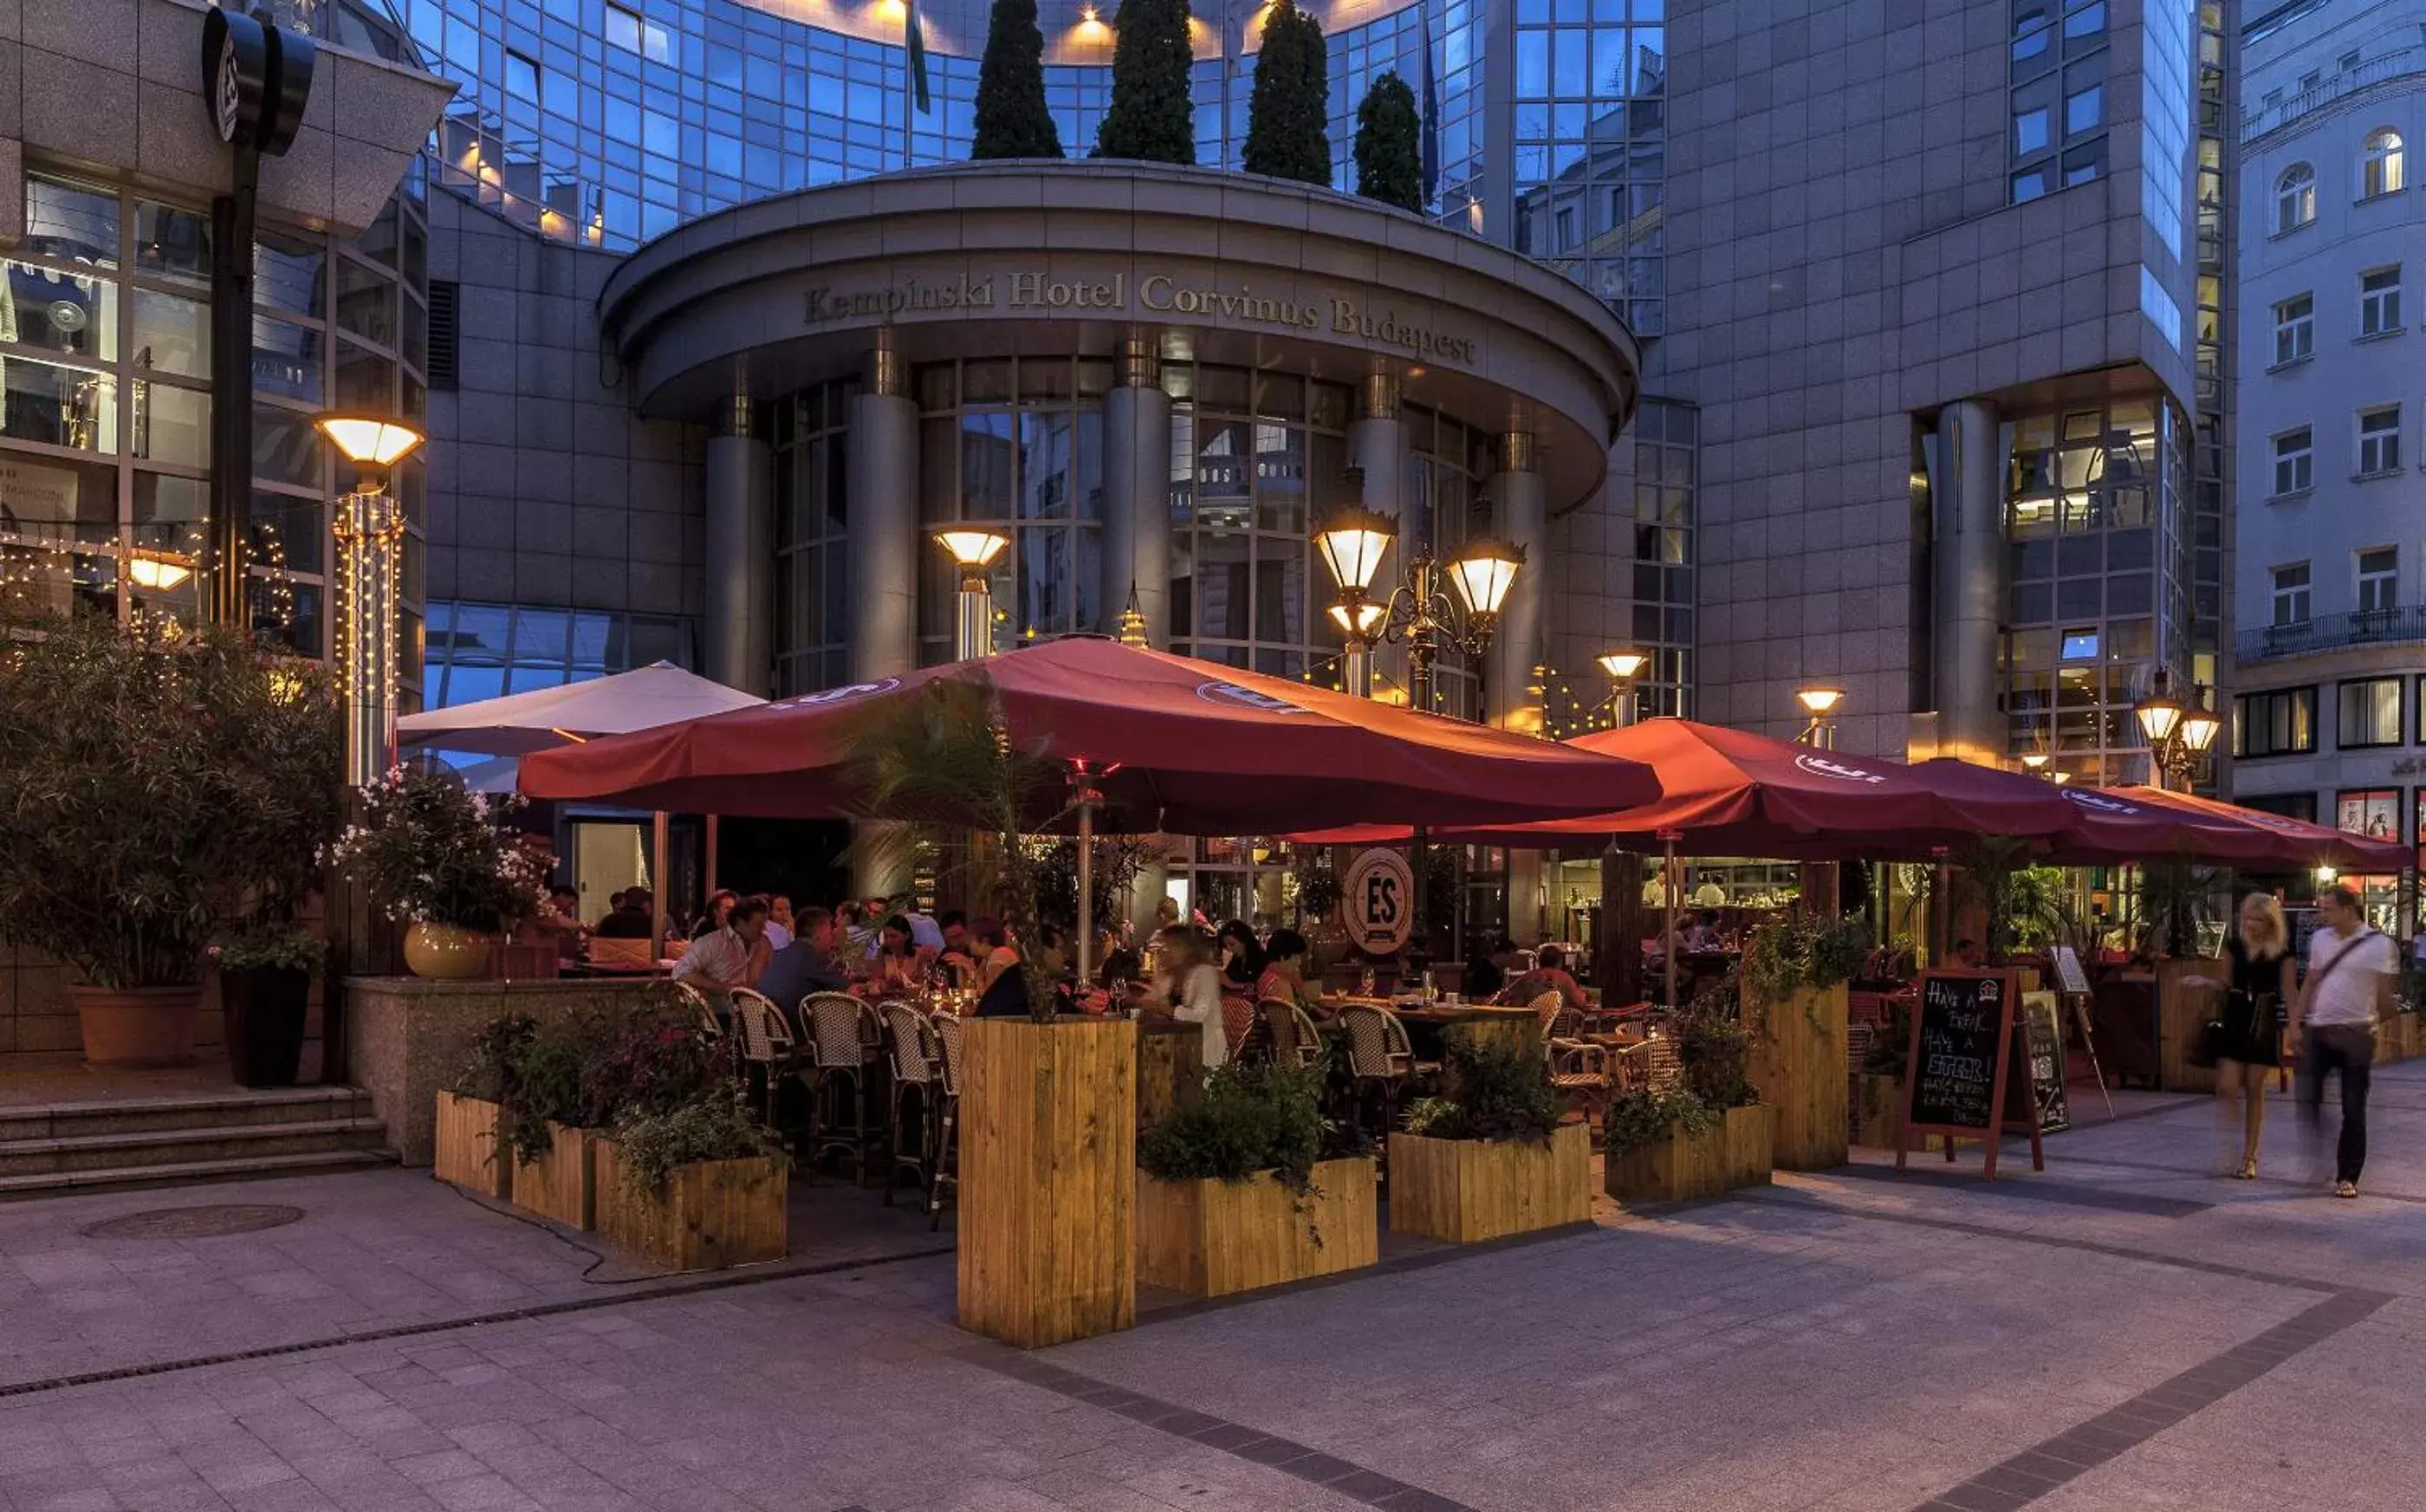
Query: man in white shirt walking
{"x":2351,"y":967}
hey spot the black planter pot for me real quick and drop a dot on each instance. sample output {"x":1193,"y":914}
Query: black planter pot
{"x":264,"y":1007}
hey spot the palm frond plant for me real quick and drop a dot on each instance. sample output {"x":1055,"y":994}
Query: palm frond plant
{"x":942,"y":760}
{"x":2016,"y":900}
{"x":2177,"y":899}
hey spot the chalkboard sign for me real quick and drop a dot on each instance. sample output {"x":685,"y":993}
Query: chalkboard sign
{"x":2043,"y":1033}
{"x":1959,"y":1035}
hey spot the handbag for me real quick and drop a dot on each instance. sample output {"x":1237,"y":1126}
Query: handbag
{"x":2214,"y":1039}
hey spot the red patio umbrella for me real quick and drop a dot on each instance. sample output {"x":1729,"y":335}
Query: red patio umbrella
{"x":1174,"y":745}
{"x":2291,"y":844}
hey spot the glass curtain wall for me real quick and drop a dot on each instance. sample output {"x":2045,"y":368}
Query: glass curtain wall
{"x":812,"y":565}
{"x":105,"y":402}
{"x":1590,"y":144}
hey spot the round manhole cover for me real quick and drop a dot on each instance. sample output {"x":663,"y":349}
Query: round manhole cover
{"x":195,"y":1223}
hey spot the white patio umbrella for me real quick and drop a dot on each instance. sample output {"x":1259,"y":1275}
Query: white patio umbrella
{"x":574,"y":714}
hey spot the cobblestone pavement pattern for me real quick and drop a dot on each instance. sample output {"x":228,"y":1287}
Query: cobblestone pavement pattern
{"x":2121,"y":1332}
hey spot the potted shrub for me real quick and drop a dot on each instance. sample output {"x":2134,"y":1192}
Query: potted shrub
{"x":1489,"y":1157}
{"x":160,"y":782}
{"x":698,"y":1186}
{"x":468,"y":1150}
{"x":264,"y":997}
{"x":1707,"y":1136}
{"x":1233,"y":1193}
{"x":568,"y":1082}
{"x":441,"y":861}
{"x":1794,"y":977}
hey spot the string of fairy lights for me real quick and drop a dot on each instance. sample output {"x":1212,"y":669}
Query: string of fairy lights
{"x":160,"y":582}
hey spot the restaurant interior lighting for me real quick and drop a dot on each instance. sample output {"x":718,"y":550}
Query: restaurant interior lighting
{"x":156,"y":572}
{"x":1484,"y":572}
{"x":1623,"y":665}
{"x":1817,"y":701}
{"x":1353,"y":546}
{"x":971,"y":549}
{"x":368,"y":441}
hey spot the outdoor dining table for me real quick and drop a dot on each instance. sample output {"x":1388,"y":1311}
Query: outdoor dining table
{"x":1428,"y":1024}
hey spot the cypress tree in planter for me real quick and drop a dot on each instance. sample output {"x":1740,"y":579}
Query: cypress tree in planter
{"x":1149,"y":117}
{"x":1389,"y":149}
{"x":1288,"y":116}
{"x":1012,"y":121}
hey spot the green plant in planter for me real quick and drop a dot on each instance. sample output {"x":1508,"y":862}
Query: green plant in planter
{"x":1252,"y":1119}
{"x":1891,"y":1043}
{"x":716,"y":1125}
{"x":158,"y":784}
{"x":269,"y":947}
{"x":434,"y":854}
{"x":1796,"y":953}
{"x":1497,"y":1090}
{"x":1714,"y":1048}
{"x":1643,"y":1117}
{"x":496,"y":1056}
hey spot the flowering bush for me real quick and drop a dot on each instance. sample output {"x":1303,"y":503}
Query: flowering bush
{"x":432,"y":852}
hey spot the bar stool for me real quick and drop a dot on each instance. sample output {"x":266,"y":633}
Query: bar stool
{"x":762,"y":1042}
{"x":947,"y":1148}
{"x":841,"y":1053}
{"x":916,"y":1061}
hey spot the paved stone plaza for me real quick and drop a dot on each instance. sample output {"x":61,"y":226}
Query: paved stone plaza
{"x":2123,"y":1331}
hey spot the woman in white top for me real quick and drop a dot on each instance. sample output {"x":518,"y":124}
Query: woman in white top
{"x":1194,"y":984}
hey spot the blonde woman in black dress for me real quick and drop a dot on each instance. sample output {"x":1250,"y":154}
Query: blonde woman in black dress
{"x":2263,"y":980}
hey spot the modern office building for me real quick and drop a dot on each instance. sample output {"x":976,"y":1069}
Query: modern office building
{"x":2332,"y":644}
{"x":1874,"y":343}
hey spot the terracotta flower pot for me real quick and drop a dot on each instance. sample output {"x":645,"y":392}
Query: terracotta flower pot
{"x":141,"y":1025}
{"x":445,"y":953}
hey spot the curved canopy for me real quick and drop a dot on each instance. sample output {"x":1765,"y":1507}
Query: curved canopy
{"x":519,"y":724}
{"x":2293,"y":842}
{"x":1174,"y":745}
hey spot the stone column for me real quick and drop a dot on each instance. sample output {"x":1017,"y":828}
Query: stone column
{"x":1137,"y":492}
{"x":1968,"y":556}
{"x":739,"y":547}
{"x":1521,"y":512}
{"x":881,"y":472}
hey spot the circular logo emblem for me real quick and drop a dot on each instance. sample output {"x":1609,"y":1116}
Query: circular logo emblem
{"x":848,"y":690}
{"x":227,"y":93}
{"x":1262,"y":702}
{"x":1377,"y":901}
{"x":1820,"y":766}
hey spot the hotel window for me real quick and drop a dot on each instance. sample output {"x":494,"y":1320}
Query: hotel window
{"x":2295,"y":331}
{"x":2379,"y":579}
{"x":2379,"y":301}
{"x":2295,"y":198}
{"x":2369,"y":713}
{"x":2294,"y":462}
{"x":627,"y":30}
{"x":2301,"y":807}
{"x":2290,"y":595}
{"x":522,"y":77}
{"x":2281,"y":723}
{"x":2380,"y":171}
{"x":2030,"y":130}
{"x":2379,"y":441}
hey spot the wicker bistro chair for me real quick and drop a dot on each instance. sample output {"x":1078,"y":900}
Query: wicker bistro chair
{"x":1651,"y":1065}
{"x":845,"y":1037}
{"x":1379,"y":1058}
{"x":763,"y":1043}
{"x":1578,"y":1068}
{"x":1295,"y":1041}
{"x":917,"y":1058}
{"x":946,"y":1170}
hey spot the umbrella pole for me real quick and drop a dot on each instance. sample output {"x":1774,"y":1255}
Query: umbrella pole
{"x":658,"y":846}
{"x":710,"y":888}
{"x":1669,"y":949}
{"x":1086,"y":887}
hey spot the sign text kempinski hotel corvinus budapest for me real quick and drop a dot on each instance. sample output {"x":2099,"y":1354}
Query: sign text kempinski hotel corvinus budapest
{"x":1156,"y":294}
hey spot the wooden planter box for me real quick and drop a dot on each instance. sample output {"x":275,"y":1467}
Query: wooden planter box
{"x":710,"y":1215}
{"x":1466,"y":1190}
{"x":2396,"y":1037}
{"x":561,"y":1184}
{"x":1878,"y":1111}
{"x":467,"y":1152}
{"x":2182,"y":1012}
{"x":1682,"y":1166}
{"x":1797,"y":1061}
{"x":1048,"y":1179}
{"x":1211,"y":1238}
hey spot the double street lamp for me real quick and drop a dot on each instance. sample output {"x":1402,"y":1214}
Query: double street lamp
{"x":2179,"y":736}
{"x":1418,"y":612}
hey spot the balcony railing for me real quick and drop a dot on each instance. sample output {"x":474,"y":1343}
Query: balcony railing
{"x":2331,"y":632}
{"x":2391,"y":65}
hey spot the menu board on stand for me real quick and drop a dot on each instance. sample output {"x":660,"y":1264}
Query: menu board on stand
{"x":2042,"y":1027}
{"x":1968,"y":1063}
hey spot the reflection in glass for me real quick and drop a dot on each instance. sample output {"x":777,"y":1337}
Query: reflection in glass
{"x":59,"y":406}
{"x":71,"y":222}
{"x":172,"y":335}
{"x":172,"y":425}
{"x":71,"y":314}
{"x":172,"y":243}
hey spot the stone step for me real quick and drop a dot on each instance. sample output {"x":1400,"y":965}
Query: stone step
{"x":150,"y":1149}
{"x":236,"y":1106}
{"x":185,"y":1173}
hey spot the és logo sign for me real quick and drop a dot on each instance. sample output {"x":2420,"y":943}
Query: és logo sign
{"x":1820,"y":766}
{"x":1377,"y":902}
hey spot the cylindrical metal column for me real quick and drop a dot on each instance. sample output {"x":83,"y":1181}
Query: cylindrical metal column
{"x":973,"y":634}
{"x":740,"y":547}
{"x":1137,"y":492}
{"x":1377,"y":453}
{"x":1522,"y":514}
{"x":369,"y":530}
{"x":881,"y":478}
{"x":1967,"y":562}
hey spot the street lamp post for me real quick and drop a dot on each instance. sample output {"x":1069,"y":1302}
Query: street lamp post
{"x":2179,"y":736}
{"x":973,"y":549}
{"x":369,"y":525}
{"x":1622,"y":668}
{"x":1818,"y":702}
{"x":1419,"y":613}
